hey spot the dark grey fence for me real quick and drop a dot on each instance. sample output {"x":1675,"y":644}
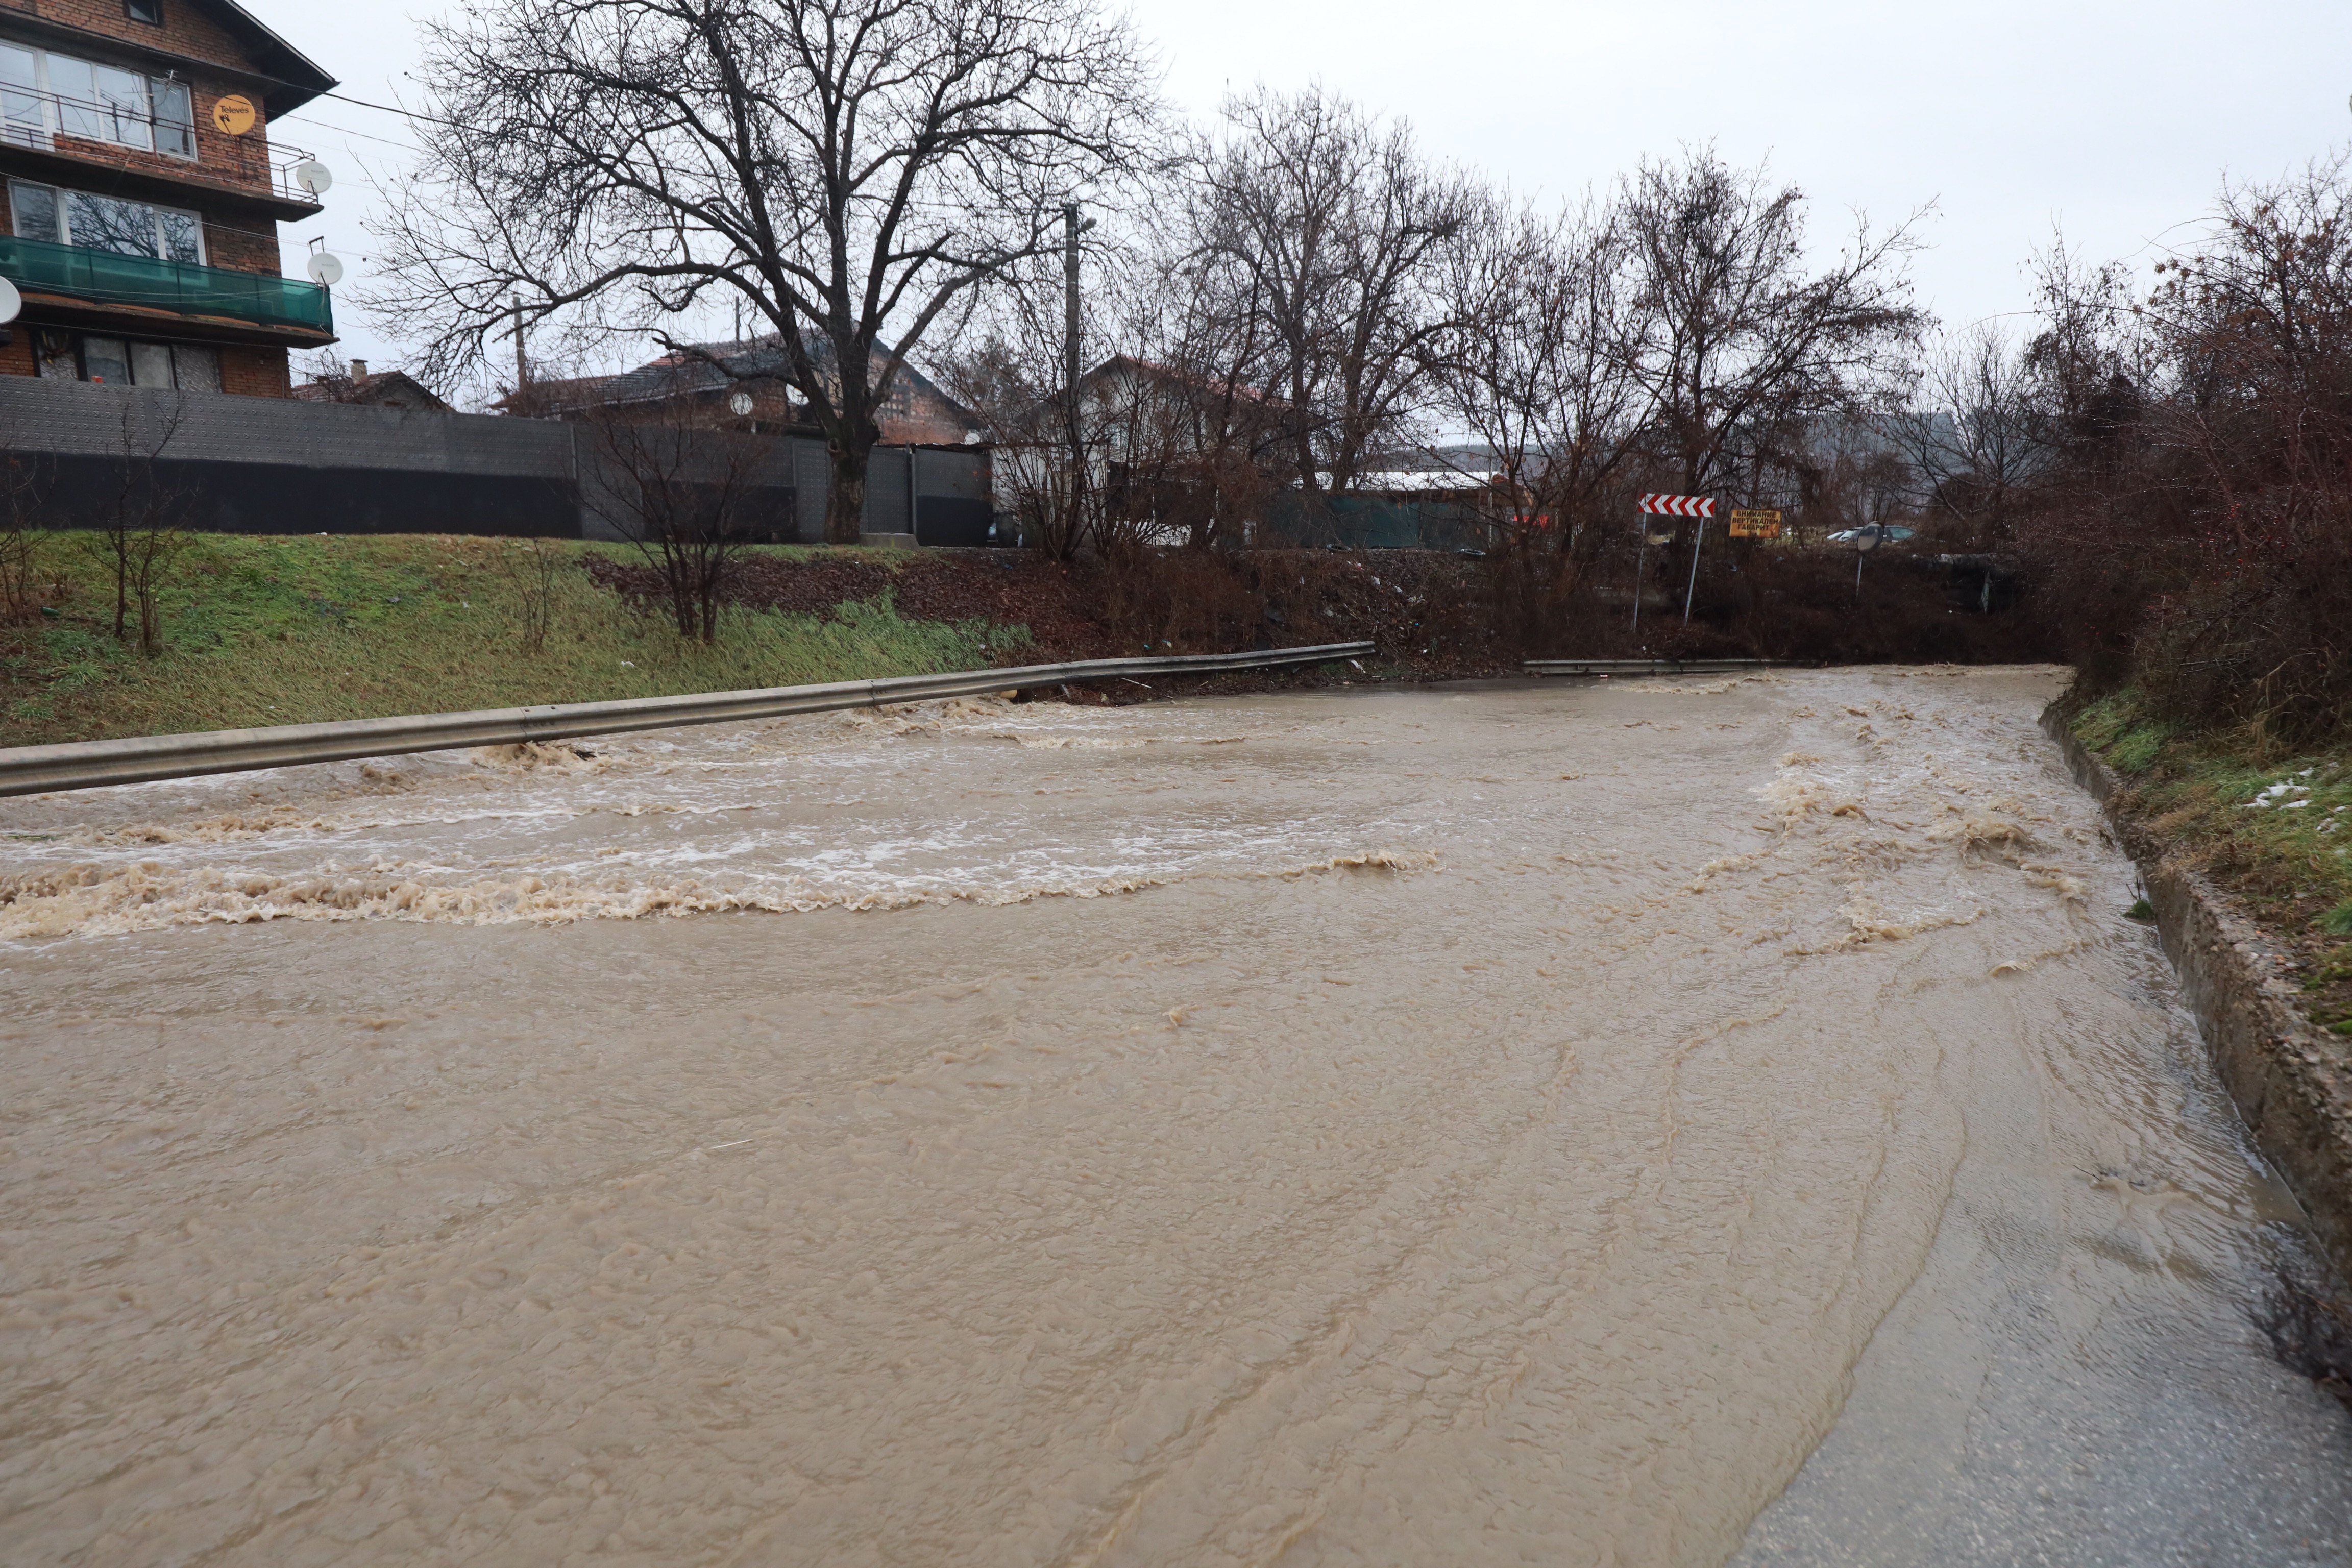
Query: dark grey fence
{"x":264,"y":465}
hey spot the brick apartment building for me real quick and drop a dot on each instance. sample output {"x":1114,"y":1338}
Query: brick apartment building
{"x":139,"y":198}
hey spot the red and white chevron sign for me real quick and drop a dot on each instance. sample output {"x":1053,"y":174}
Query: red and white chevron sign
{"x":1679,"y":506}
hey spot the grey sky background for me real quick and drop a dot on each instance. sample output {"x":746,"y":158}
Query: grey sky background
{"x":2116,"y":120}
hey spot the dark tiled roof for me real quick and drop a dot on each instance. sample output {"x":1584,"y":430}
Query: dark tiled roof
{"x":686,"y":372}
{"x":389,"y":387}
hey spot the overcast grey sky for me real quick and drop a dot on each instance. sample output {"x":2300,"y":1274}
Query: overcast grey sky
{"x":2116,"y":120}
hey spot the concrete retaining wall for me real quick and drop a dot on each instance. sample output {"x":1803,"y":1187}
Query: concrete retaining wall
{"x":2292,"y":1082}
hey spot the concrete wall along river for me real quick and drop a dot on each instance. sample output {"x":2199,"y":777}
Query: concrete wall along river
{"x":1654,"y":1122}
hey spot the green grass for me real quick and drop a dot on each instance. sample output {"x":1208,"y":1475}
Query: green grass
{"x":2201,"y":794}
{"x":283,"y":630}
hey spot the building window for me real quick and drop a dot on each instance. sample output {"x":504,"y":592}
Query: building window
{"x":105,"y":360}
{"x":105,"y":223}
{"x":148,"y":11}
{"x":43,"y":96}
{"x":115,"y":361}
{"x":55,"y":350}
{"x":175,"y":119}
{"x":24,"y":113}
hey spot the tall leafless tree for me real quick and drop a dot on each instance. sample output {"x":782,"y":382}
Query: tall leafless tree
{"x":1745,"y":345}
{"x":847,"y":169}
{"x":1972,"y":434}
{"x":1541,"y":364}
{"x":1327,"y":231}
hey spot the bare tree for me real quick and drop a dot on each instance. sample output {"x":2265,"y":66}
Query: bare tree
{"x":1539,"y":364}
{"x":1973,"y":434}
{"x":1009,"y":370}
{"x":2195,"y":529}
{"x":1742,"y":347}
{"x":1326,"y":231}
{"x":680,"y":494}
{"x":135,"y":531}
{"x":1174,"y":436}
{"x":848,"y":170}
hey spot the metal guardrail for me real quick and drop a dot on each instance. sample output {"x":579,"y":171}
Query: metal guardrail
{"x":87,"y":764}
{"x":1656,"y":666}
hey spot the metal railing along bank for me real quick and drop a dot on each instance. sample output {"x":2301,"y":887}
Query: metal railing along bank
{"x":85,"y":764}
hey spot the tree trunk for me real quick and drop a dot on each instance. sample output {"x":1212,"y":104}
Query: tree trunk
{"x":844,"y":507}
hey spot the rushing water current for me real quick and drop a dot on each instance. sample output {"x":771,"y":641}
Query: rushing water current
{"x":1630,"y":1123}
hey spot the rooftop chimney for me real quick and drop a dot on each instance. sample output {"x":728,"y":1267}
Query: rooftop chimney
{"x":358,"y":368}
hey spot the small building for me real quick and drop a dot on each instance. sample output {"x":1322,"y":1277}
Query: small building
{"x":374,"y":389}
{"x":141,"y":194}
{"x":702,"y":381}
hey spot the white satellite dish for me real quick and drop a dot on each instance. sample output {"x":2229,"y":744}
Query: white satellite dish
{"x":312,"y":176}
{"x":10,"y":301}
{"x":739,"y":404}
{"x":325,"y":269}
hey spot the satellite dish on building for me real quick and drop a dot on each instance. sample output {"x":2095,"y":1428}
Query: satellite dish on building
{"x":739,"y":404}
{"x":10,"y":301}
{"x":312,"y":176}
{"x":326,"y":268}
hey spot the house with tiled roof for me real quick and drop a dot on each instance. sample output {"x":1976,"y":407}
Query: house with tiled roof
{"x":372,"y":389}
{"x":702,"y":379}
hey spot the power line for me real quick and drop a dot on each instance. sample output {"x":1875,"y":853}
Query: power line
{"x":388,"y":108}
{"x":343,"y":131}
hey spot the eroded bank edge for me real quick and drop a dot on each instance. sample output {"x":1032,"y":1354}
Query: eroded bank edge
{"x":2292,"y":1082}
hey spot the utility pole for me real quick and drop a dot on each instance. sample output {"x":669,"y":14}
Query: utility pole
{"x":1070,"y":231}
{"x":522,"y":374}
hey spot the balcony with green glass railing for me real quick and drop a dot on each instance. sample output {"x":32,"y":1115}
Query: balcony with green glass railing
{"x":110,"y":278}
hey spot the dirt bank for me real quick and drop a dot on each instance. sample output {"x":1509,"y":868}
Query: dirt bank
{"x":1421,"y":608}
{"x":1435,"y":616}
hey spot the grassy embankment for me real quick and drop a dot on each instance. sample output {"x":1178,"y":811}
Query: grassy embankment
{"x":2276,"y":831}
{"x":282,"y":630}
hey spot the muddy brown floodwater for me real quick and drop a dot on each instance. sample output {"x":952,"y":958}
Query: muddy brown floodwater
{"x":1627,"y":1123}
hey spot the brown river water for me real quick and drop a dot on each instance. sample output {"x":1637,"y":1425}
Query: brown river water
{"x":1641,"y":1123}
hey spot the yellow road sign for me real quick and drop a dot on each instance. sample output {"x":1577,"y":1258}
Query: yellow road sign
{"x":234,"y":115}
{"x":1756,"y":524}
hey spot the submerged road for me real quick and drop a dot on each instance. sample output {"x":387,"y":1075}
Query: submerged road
{"x":1675,"y":1121}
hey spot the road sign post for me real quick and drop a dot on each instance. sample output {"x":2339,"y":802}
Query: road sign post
{"x":1867,"y":538}
{"x":1699,"y":507}
{"x":1658,"y":504}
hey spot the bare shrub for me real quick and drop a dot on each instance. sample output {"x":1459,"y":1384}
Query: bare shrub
{"x":529,"y":567}
{"x":23,"y":542}
{"x":679,"y":494}
{"x":136,"y":535}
